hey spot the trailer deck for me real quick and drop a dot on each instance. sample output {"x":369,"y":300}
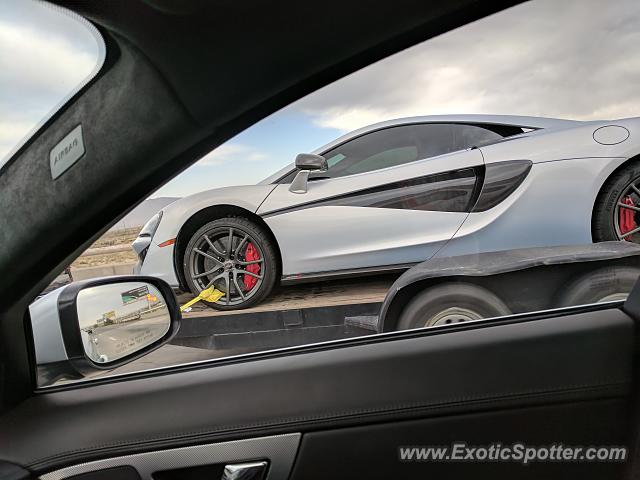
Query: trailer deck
{"x":309,"y":295}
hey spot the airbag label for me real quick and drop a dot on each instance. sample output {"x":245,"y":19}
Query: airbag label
{"x":67,"y":152}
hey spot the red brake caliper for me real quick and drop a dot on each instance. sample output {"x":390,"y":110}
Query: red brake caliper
{"x":251,"y":254}
{"x":627,"y":217}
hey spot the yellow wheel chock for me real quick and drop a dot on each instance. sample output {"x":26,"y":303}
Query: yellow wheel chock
{"x":210,"y":294}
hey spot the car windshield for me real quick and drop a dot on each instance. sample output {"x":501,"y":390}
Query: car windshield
{"x":433,"y":183}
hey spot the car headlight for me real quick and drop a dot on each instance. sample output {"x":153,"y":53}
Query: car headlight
{"x":141,"y":244}
{"x":151,"y":226}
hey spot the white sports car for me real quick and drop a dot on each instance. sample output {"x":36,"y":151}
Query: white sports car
{"x":396,"y":193}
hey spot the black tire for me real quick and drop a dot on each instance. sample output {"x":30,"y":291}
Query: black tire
{"x":604,"y":284}
{"x":430,"y":307}
{"x":603,"y":224}
{"x":195,"y":263}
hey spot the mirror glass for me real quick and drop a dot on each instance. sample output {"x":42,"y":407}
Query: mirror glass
{"x":119,"y":319}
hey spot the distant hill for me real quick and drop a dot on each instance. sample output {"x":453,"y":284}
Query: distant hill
{"x":143,"y":212}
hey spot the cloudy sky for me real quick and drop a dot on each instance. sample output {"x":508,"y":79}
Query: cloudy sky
{"x":44,"y":55}
{"x":574,"y":59}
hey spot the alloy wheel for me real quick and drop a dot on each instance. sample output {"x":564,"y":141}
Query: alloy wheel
{"x":626,"y":213}
{"x":229,"y":259}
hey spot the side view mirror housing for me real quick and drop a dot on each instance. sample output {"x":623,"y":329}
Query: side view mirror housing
{"x":84,"y":328}
{"x":306,"y":163}
{"x":310,"y":161}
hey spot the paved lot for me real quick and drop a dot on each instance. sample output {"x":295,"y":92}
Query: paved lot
{"x":115,"y":341}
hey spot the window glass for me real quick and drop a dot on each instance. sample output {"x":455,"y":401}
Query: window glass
{"x":395,"y":146}
{"x":333,"y":159}
{"x":37,"y":37}
{"x":381,"y":149}
{"x":435,"y":139}
{"x":293,"y":267}
{"x":387,"y":158}
{"x":467,"y":136}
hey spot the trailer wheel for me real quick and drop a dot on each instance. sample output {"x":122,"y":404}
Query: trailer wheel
{"x":451,"y":303}
{"x":606,"y":284}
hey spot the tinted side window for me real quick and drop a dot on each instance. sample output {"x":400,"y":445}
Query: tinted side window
{"x":435,"y":139}
{"x":399,"y":145}
{"x":395,"y":146}
{"x":467,"y":136}
{"x":373,"y":151}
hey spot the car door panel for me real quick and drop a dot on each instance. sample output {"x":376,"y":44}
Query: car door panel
{"x":444,"y":372}
{"x":281,"y":198}
{"x":372,"y":451}
{"x":193,"y":462}
{"x":391,"y":216}
{"x":334,"y":239}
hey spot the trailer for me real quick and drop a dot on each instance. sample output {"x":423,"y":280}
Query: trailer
{"x":453,"y":289}
{"x":294,"y":315}
{"x":493,"y":284}
{"x":436,"y":292}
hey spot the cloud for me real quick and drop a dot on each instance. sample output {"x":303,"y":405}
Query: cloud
{"x":571,"y":59}
{"x":232,"y":152}
{"x":39,"y":62}
{"x":44,"y":55}
{"x":11,"y":132}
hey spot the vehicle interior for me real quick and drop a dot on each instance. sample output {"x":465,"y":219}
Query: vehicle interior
{"x":179,"y":79}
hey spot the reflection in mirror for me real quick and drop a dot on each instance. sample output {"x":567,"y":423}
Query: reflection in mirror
{"x":117,"y":320}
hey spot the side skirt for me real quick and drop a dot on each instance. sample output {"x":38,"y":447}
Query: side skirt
{"x":339,"y":274}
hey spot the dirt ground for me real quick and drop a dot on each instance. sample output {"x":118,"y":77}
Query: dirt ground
{"x":108,"y":259}
{"x":119,"y":237}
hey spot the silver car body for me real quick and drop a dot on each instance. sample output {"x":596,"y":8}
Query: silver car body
{"x":318,"y":238}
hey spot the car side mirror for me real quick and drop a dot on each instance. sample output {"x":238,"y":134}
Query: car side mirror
{"x":87,"y":327}
{"x":310,"y":161}
{"x":306,"y":163}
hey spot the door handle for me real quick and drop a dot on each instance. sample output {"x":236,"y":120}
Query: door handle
{"x":245,"y":471}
